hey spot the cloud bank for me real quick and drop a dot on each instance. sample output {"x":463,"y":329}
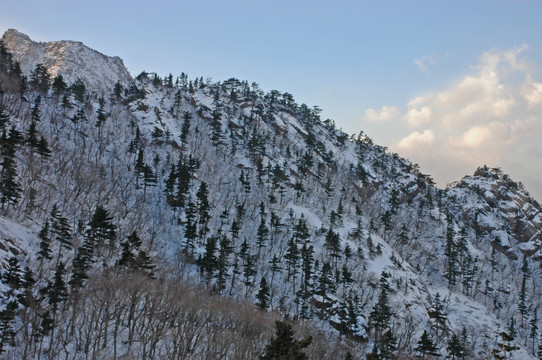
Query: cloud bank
{"x":493,"y":117}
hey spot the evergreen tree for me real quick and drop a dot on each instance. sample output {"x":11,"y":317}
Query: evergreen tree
{"x":190,"y":230}
{"x":283,"y":345}
{"x":43,"y":148}
{"x":456,"y":348}
{"x":380,"y":316}
{"x":426,"y":346}
{"x":292,"y":258}
{"x":325,"y":281}
{"x":32,"y":136}
{"x":57,"y":291}
{"x":451,"y":253}
{"x":203,"y":208}
{"x":101,"y":229}
{"x":208,"y":261}
{"x":149,"y":178}
{"x":35,"y":114}
{"x":185,"y":128}
{"x":216,"y":128}
{"x":9,"y":187}
{"x":4,"y":117}
{"x":79,"y":90}
{"x":80,"y":266}
{"x":26,"y":297}
{"x":262,"y":235}
{"x":12,"y":276}
{"x":274,"y":267}
{"x":7,"y":317}
{"x":39,"y":79}
{"x":388,"y":345}
{"x":224,"y":253}
{"x":263,"y":295}
{"x":333,"y":245}
{"x":522,"y":306}
{"x":45,"y":242}
{"x":438,"y":314}
{"x":59,"y":86}
{"x":101,"y":116}
{"x":60,"y":229}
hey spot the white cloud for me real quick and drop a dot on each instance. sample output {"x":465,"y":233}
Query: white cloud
{"x":423,"y":62}
{"x":417,"y":117}
{"x":417,"y":140}
{"x":386,"y":113}
{"x":485,"y":118}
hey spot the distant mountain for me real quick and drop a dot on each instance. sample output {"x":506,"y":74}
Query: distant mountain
{"x":71,"y":59}
{"x":114,"y":202}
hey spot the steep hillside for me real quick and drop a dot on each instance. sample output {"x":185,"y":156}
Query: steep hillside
{"x":254,"y":197}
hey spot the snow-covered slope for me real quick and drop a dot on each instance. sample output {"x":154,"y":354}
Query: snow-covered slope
{"x":341,"y":229}
{"x":71,"y":59}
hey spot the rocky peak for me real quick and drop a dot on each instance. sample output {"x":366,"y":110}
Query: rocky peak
{"x":71,"y":59}
{"x":501,"y":210}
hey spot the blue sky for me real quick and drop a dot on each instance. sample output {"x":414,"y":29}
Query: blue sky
{"x":350,"y":58}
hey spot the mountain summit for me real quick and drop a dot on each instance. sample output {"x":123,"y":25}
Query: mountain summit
{"x":71,"y":59}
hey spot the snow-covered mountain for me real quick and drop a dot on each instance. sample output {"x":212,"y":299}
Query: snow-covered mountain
{"x":251,"y":196}
{"x":71,"y":59}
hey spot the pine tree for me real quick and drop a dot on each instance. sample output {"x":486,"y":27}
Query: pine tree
{"x":61,"y":230}
{"x":274,"y":267}
{"x":185,"y":128}
{"x":283,"y":345}
{"x":438,"y":314}
{"x":80,"y":266}
{"x":45,"y":242}
{"x":224,"y":253}
{"x":39,"y":78}
{"x":292,"y":258}
{"x":262,"y":235}
{"x":170,"y":184}
{"x":325,"y":282}
{"x":333,"y":245}
{"x":57,"y":291}
{"x":426,"y":347}
{"x":26,"y":297}
{"x":149,"y":178}
{"x":43,"y":148}
{"x":203,"y":208}
{"x":216,"y":128}
{"x":9,"y":187}
{"x":522,"y":306}
{"x":208,"y":261}
{"x":456,"y":348}
{"x":263,"y":295}
{"x":380,"y":316}
{"x":451,"y":253}
{"x":139,"y":166}
{"x":12,"y":276}
{"x":35,"y":115}
{"x":32,"y":137}
{"x":145,"y":264}
{"x":7,"y":317}
{"x":59,"y":85}
{"x":190,"y":230}
{"x":4,"y":117}
{"x":101,"y":229}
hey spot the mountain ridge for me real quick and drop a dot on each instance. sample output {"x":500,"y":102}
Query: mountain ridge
{"x":348,"y":224}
